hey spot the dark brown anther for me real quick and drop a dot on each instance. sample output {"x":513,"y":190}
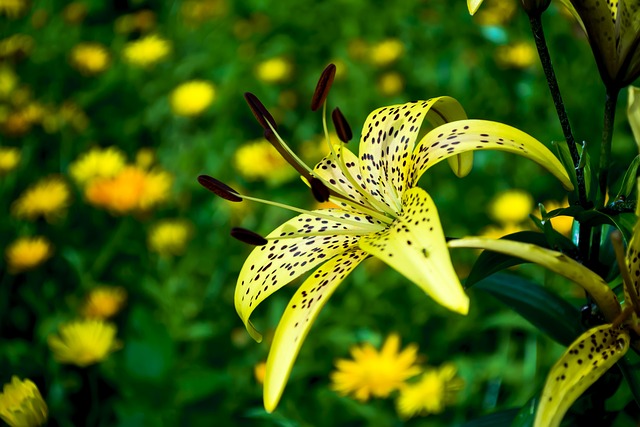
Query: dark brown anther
{"x":342,"y":126}
{"x":320,"y":191}
{"x":248,"y":236}
{"x":219,"y":188}
{"x":259,"y":111}
{"x":322,"y":89}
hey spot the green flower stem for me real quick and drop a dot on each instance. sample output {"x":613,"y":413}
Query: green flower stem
{"x":607,"y":137}
{"x":110,"y":248}
{"x":535,"y":19}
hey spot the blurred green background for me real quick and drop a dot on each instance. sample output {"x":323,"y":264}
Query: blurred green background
{"x":70,"y":83}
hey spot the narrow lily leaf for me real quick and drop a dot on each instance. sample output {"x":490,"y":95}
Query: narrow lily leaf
{"x":630,"y":178}
{"x":286,"y":257}
{"x":554,"y":261}
{"x":629,"y":367}
{"x":497,"y":419}
{"x":388,"y":138}
{"x":565,"y":158}
{"x":470,"y":135}
{"x":586,"y":360}
{"x":489,"y":262}
{"x":545,"y":310}
{"x":297,"y":319}
{"x":415,"y":246}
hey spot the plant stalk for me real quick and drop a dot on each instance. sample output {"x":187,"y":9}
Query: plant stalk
{"x":607,"y":136}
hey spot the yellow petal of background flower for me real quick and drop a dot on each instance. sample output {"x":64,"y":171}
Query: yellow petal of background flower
{"x":270,"y":267}
{"x":586,"y":360}
{"x":297,"y":319}
{"x":388,"y":137}
{"x":415,"y":246}
{"x":470,"y":135}
{"x":554,"y":261}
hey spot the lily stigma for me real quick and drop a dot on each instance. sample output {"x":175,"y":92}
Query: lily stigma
{"x":382,"y":213}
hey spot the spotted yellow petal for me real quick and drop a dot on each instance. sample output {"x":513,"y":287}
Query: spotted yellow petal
{"x":388,"y":137}
{"x":297,"y":319}
{"x":470,"y":135}
{"x":473,"y":5}
{"x":554,"y":261}
{"x":294,"y":248}
{"x":586,"y":360}
{"x":415,"y":246}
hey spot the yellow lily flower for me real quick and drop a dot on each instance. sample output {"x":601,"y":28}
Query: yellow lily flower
{"x":599,"y":348}
{"x":380,"y":213}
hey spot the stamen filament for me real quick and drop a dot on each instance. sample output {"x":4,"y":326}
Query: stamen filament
{"x":274,"y":138}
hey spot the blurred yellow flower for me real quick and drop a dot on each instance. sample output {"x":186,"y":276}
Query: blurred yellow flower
{"x":104,"y":302}
{"x":142,"y":21}
{"x":390,"y":83}
{"x":562,"y":224}
{"x":97,"y":163}
{"x":26,"y":253}
{"x":374,"y":373}
{"x":90,"y":58}
{"x":75,"y":12}
{"x":259,"y":371}
{"x":8,"y":81}
{"x":133,"y":189}
{"x":511,"y":206}
{"x":198,"y":11}
{"x":435,"y":389}
{"x":145,"y":157}
{"x":17,"y":45}
{"x":496,"y":232}
{"x":274,"y":70}
{"x":47,"y":198}
{"x":147,"y":51}
{"x":169,"y":237}
{"x":84,"y":342}
{"x":516,"y":55}
{"x":13,"y":9}
{"x":386,"y":52}
{"x":496,"y":12}
{"x":21,"y":404}
{"x":259,"y":160}
{"x":192,"y":98}
{"x":9,"y":159}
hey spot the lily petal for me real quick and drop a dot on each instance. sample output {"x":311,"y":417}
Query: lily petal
{"x":473,"y":5}
{"x":554,"y":261}
{"x":388,"y":137}
{"x":415,"y":246}
{"x":586,"y":360}
{"x":470,"y":135}
{"x":633,"y":113}
{"x":297,"y":319}
{"x":286,"y":257}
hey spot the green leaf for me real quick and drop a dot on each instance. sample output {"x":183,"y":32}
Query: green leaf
{"x":499,"y":419}
{"x":490,"y":262}
{"x":630,"y":367}
{"x":527,"y":413}
{"x":567,"y":162}
{"x":630,"y":179}
{"x":545,"y":310}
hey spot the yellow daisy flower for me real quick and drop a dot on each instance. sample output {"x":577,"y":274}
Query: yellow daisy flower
{"x":562,"y":224}
{"x":75,"y":12}
{"x":192,"y":98}
{"x":511,"y":206}
{"x":386,"y":52}
{"x":13,"y":9}
{"x":259,"y":370}
{"x":259,"y":160}
{"x":26,"y":253}
{"x":516,"y":55}
{"x":48,"y":198}
{"x":17,"y":45}
{"x":90,"y":58}
{"x":133,"y":189}
{"x":374,"y":373}
{"x":274,"y":70}
{"x":84,"y":342}
{"x":147,"y":51}
{"x":435,"y":389}
{"x":169,"y":237}
{"x":104,"y":302}
{"x":97,"y":163}
{"x":390,"y":84}
{"x":21,"y":404}
{"x":145,"y":158}
{"x":9,"y":159}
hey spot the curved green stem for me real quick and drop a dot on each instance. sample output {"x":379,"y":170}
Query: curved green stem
{"x":607,"y":137}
